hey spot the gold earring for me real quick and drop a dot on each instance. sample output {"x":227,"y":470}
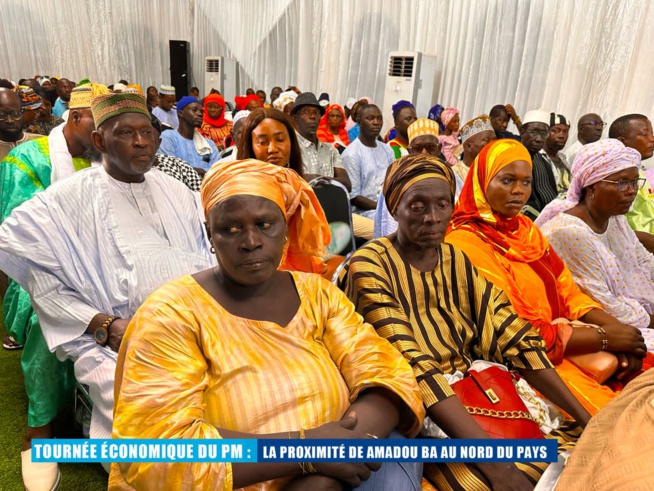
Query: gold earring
{"x":285,"y":239}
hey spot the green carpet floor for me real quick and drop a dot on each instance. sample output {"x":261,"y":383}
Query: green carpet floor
{"x":13,"y":419}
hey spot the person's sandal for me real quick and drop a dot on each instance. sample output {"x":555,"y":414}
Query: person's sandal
{"x":9,"y":343}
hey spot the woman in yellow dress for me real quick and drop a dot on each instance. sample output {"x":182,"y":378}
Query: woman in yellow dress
{"x":246,"y":350}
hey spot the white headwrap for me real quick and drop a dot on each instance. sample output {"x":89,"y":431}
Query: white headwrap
{"x":477,"y":125}
{"x":536,"y":116}
{"x":284,"y":98}
{"x":241,"y":115}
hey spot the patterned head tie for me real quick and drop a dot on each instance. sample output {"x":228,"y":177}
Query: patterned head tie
{"x":107,"y":106}
{"x":476,"y":125}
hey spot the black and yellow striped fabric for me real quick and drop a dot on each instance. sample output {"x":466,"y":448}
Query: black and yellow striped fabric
{"x":441,"y":321}
{"x":459,"y":476}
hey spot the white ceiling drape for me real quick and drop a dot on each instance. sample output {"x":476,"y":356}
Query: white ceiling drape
{"x":104,"y":40}
{"x":568,"y":56}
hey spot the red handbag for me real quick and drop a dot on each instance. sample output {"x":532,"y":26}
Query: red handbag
{"x":492,"y":400}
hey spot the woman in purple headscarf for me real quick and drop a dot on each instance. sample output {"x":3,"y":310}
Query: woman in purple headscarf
{"x":449,"y":138}
{"x":435,"y":115}
{"x":591,"y":234}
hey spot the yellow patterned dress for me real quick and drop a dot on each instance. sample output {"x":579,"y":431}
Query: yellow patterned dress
{"x":188,"y":367}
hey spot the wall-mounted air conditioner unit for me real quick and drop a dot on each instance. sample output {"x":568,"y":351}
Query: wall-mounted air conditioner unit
{"x":411,"y":76}
{"x":221,"y":73}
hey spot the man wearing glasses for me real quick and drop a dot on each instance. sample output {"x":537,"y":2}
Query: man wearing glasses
{"x":589,"y":130}
{"x":535,"y":130}
{"x":635,"y":131}
{"x":11,"y":122}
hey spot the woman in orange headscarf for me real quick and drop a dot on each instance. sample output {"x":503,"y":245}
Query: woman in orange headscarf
{"x":332,"y":128}
{"x":214,"y":125}
{"x":308,"y":230}
{"x":245,"y":350}
{"x":511,"y":252}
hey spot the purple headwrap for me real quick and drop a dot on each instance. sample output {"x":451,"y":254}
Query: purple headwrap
{"x":434,"y":114}
{"x":594,"y":162}
{"x":399,"y":105}
{"x":447,"y":115}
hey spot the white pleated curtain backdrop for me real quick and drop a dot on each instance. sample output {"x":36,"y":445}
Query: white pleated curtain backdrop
{"x":567,"y":56}
{"x":104,"y":40}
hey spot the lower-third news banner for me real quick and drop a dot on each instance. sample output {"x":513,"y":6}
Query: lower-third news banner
{"x":368,"y":450}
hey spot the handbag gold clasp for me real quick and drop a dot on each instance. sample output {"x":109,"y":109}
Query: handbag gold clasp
{"x":492,"y":396}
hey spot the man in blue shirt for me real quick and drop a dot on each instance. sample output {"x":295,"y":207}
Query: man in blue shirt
{"x":166,"y":112}
{"x":186,"y":142}
{"x":64,"y":88}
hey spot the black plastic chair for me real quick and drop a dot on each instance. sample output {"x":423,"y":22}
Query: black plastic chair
{"x":335,"y":202}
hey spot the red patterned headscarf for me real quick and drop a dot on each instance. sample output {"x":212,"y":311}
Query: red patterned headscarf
{"x":324,"y":135}
{"x":217,"y":122}
{"x":242,"y":101}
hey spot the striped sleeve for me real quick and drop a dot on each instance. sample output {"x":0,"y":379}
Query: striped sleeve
{"x":543,"y":185}
{"x":369,"y":287}
{"x":504,"y":336}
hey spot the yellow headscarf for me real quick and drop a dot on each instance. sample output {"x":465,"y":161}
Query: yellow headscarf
{"x":133,"y":88}
{"x":308,"y":230}
{"x":82,"y":95}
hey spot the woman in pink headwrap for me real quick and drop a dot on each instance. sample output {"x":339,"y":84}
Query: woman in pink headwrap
{"x":450,"y":137}
{"x":591,"y":234}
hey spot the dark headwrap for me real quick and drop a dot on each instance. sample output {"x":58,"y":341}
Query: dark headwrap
{"x":434,"y":115}
{"x":401,"y":105}
{"x":408,"y":170}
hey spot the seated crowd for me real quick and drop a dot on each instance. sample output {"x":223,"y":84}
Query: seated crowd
{"x":177,"y":259}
